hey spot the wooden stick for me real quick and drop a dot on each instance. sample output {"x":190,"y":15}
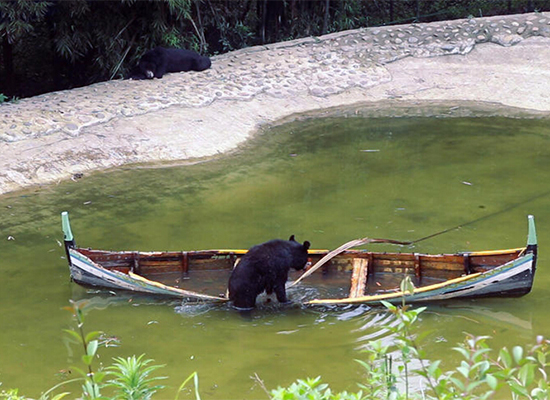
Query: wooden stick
{"x":344,"y":247}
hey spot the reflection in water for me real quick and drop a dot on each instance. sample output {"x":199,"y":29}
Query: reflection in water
{"x":315,"y":179}
{"x":480,"y":314}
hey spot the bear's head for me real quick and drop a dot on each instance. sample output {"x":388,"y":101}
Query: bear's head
{"x":300,"y":254}
{"x":148,"y":69}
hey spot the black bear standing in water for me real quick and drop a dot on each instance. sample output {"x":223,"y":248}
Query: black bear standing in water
{"x":265,"y":267}
{"x":155,"y":63}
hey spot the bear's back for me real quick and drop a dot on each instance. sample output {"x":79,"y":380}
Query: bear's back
{"x":276,"y":254}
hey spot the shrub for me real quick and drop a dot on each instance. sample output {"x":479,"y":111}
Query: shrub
{"x":521,"y":373}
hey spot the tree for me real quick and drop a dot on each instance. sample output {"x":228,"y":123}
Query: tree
{"x":17,"y":18}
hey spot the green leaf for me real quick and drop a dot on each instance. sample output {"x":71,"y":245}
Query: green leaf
{"x":87,"y":359}
{"x":491,"y":381}
{"x":482,"y":366}
{"x":470,"y":388}
{"x":541,"y":358}
{"x":60,"y":395}
{"x":464,"y":371}
{"x":504,"y":356}
{"x":99,"y":376}
{"x":518,"y":389}
{"x":407,"y":287}
{"x":92,"y":347}
{"x":421,"y":309}
{"x":433,"y":369}
{"x":538,"y":393}
{"x":79,"y":371}
{"x":195,"y":378}
{"x":92,"y":335}
{"x":73,"y":334}
{"x":389,"y":306}
{"x":478,"y":353}
{"x":465,"y":353}
{"x":527,"y":374}
{"x":517,"y":352}
{"x":458,"y":383}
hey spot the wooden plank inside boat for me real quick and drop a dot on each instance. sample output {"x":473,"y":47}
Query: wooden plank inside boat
{"x":359,"y":277}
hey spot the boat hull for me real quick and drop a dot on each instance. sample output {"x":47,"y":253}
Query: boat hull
{"x":513,"y":279}
{"x":360,"y":276}
{"x":88,"y":273}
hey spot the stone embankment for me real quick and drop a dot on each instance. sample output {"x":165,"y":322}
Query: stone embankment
{"x":188,"y":115}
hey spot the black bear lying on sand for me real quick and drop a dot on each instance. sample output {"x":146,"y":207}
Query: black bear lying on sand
{"x":155,"y":63}
{"x":265,"y":267}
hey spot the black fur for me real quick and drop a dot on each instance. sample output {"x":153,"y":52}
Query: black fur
{"x":157,"y":62}
{"x":265,"y":267}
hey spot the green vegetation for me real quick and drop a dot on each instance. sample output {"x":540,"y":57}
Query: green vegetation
{"x":516,"y":374}
{"x":131,"y":378}
{"x":388,"y":370}
{"x":78,"y":42}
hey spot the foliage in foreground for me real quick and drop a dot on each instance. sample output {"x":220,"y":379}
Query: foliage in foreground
{"x":520,"y":373}
{"x":516,"y":374}
{"x":130,"y":378}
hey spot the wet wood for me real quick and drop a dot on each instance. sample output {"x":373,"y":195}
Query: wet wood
{"x":417,"y":273}
{"x":184,"y":264}
{"x":359,"y":277}
{"x":467,"y":265}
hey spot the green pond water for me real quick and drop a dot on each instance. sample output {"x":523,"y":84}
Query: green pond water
{"x":325,"y":180}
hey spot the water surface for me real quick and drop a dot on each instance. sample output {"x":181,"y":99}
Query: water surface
{"x":325,"y":180}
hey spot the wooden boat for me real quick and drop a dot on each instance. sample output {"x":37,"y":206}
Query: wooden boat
{"x":353,"y":276}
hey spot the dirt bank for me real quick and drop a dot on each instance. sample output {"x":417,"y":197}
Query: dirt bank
{"x":501,"y":61}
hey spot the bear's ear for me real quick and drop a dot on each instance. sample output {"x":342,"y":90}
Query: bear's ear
{"x":306,"y":245}
{"x":292,"y":238}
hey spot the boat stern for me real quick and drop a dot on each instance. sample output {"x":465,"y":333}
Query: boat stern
{"x":68,"y":237}
{"x":532,"y":247}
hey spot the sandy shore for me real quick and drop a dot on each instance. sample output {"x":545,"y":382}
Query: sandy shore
{"x":501,"y":63}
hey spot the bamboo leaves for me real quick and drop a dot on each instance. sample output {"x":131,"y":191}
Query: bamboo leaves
{"x":132,"y":378}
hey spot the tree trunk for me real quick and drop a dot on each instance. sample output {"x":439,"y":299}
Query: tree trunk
{"x":264,"y":21}
{"x":326,"y":18}
{"x":200,"y":29}
{"x":7,"y":53}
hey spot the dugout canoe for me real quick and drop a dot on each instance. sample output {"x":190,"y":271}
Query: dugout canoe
{"x":351,"y":277}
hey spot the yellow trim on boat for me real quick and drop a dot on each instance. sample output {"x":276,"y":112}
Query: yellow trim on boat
{"x":495,"y":252}
{"x":394,"y":294}
{"x":182,"y":292}
{"x":317,"y":251}
{"x":234,"y":251}
{"x":241,"y":251}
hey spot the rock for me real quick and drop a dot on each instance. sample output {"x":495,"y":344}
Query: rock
{"x":448,"y":47}
{"x":506,"y":40}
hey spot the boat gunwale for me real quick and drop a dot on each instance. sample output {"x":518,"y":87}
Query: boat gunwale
{"x":138,"y":281}
{"x":317,"y":252}
{"x":465,"y":279}
{"x":124,"y":280}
